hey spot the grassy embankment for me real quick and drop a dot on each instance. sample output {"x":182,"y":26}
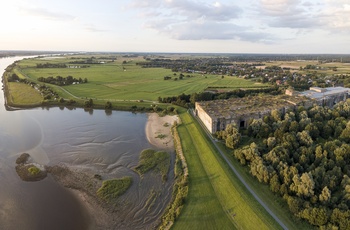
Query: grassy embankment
{"x":216,"y":198}
{"x":124,"y":84}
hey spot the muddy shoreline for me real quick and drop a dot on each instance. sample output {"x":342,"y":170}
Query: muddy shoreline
{"x":84,"y":183}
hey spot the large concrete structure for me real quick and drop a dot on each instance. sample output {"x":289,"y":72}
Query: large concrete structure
{"x":326,"y":96}
{"x":216,"y":115}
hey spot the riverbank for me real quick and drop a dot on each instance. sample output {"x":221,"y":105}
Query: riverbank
{"x":83,"y":184}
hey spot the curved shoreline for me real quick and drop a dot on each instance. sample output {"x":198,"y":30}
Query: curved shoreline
{"x":158,"y":130}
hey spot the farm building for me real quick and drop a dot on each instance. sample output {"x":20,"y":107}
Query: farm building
{"x":215,"y":115}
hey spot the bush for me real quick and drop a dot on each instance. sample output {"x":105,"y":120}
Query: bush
{"x":34,"y":170}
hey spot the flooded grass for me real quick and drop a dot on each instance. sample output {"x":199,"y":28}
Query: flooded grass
{"x":112,"y":189}
{"x":153,"y":160}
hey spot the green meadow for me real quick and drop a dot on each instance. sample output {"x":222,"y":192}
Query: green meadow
{"x":23,"y":95}
{"x":123,"y":79}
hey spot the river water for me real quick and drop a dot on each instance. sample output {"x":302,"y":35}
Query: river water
{"x":106,"y":143}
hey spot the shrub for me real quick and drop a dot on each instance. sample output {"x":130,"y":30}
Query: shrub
{"x":33,"y":170}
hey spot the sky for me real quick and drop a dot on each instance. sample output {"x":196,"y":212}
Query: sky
{"x":181,"y":26}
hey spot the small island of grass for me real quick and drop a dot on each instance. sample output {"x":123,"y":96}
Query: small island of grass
{"x":28,"y":170}
{"x":112,"y":189}
{"x":33,"y":170}
{"x":153,"y":160}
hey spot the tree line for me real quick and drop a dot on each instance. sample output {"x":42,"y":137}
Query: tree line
{"x":187,"y":100}
{"x":51,"y":65}
{"x":304,"y":156}
{"x":58,"y":80}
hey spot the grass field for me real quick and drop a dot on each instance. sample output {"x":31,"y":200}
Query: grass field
{"x":325,"y":68}
{"x":118,"y":81}
{"x":216,"y":198}
{"x":22,"y":94}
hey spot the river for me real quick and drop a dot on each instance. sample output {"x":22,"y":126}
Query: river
{"x":109,"y":144}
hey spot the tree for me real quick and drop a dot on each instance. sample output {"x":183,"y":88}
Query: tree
{"x":232,"y":136}
{"x":276,"y":115}
{"x":271,"y":142}
{"x":304,"y":138}
{"x":345,"y":134}
{"x":108,"y":105}
{"x":325,"y":195}
{"x":303,"y":186}
{"x":259,"y":170}
{"x":89,"y":103}
{"x":254,"y":127}
{"x":275,"y":183}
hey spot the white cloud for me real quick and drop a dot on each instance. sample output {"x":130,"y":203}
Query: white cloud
{"x":335,"y":16}
{"x":196,"y":20}
{"x":294,"y":14}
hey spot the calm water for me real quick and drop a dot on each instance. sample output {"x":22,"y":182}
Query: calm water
{"x":108,"y":144}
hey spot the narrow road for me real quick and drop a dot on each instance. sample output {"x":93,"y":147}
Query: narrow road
{"x":261,"y":202}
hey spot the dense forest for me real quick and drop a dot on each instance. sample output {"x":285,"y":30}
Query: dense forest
{"x":304,"y":156}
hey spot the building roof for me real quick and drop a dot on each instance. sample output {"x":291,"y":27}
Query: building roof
{"x":238,"y":107}
{"x":319,"y":93}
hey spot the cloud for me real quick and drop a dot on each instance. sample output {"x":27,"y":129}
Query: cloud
{"x":47,"y":14}
{"x":196,"y":20}
{"x":335,"y":16}
{"x":329,"y":15}
{"x":294,"y":14}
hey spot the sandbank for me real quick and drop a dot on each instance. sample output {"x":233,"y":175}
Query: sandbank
{"x":158,"y":130}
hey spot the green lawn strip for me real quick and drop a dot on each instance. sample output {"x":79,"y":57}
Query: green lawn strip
{"x":153,"y":160}
{"x":273,"y":201}
{"x":202,"y":209}
{"x":245,"y":211}
{"x":112,"y":189}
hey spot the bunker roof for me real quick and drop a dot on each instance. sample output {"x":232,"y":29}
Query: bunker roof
{"x":237,"y":107}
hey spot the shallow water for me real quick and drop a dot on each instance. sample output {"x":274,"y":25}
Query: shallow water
{"x":107,"y":144}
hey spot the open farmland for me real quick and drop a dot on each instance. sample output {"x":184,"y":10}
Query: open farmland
{"x":322,"y":68}
{"x":123,"y":79}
